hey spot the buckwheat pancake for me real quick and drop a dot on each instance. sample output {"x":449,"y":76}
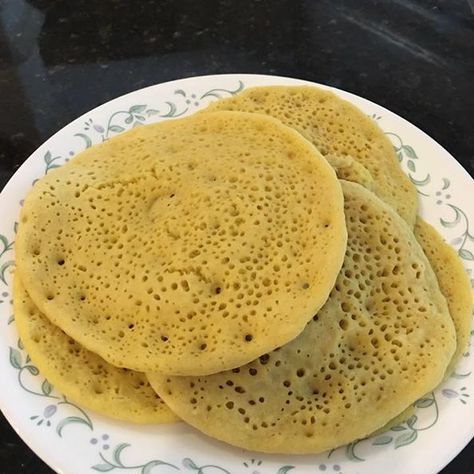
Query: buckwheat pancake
{"x":82,"y":375}
{"x":455,"y":287}
{"x":453,"y":282}
{"x":187,"y":247}
{"x":383,"y":339}
{"x":349,"y":169}
{"x":337,"y":128}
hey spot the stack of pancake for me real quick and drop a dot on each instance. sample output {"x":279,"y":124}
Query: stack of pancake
{"x":257,"y":270}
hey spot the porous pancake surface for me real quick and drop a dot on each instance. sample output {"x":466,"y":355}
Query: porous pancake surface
{"x":382,"y":340}
{"x":337,"y":128}
{"x":81,"y":375}
{"x":187,"y":247}
{"x":453,"y":282}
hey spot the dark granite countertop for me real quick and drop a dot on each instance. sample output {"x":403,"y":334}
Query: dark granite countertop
{"x":59,"y":59}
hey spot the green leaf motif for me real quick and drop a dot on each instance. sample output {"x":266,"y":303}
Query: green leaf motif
{"x":69,"y":420}
{"x":411,"y":166}
{"x":48,"y":157}
{"x":15,"y":227}
{"x":423,"y":403}
{"x":219,"y":92}
{"x":10,"y":319}
{"x":455,"y":375}
{"x":454,"y":222}
{"x":20,"y":345}
{"x":382,"y":440}
{"x":103,"y":467}
{"x":466,"y":254}
{"x":399,"y":156}
{"x":285,"y":469}
{"x":86,"y":139}
{"x":180,"y":92}
{"x":129,"y":119}
{"x":118,"y":452}
{"x":405,"y":439}
{"x":137,"y":109}
{"x":446,"y":223}
{"x":3,"y":269}
{"x":398,"y":428}
{"x":420,"y":182}
{"x":116,"y":128}
{"x":446,"y":183}
{"x":15,"y":358}
{"x":32,"y":369}
{"x":46,"y":387}
{"x":410,"y":152}
{"x":412,"y":420}
{"x":151,"y":112}
{"x":5,"y":243}
{"x":51,"y":167}
{"x":172,"y":110}
{"x":351,"y":454}
{"x":189,"y":464}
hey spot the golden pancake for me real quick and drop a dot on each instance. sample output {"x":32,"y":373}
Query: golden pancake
{"x":349,"y":169}
{"x":383,"y":339}
{"x":82,"y":375}
{"x":453,"y":282}
{"x":189,"y":246}
{"x":337,"y":128}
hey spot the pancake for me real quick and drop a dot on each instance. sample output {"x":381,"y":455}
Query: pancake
{"x":382,"y":340}
{"x":336,"y":128}
{"x":81,"y":375}
{"x":455,"y":287}
{"x":349,"y":169}
{"x":453,"y":282}
{"x":187,"y":247}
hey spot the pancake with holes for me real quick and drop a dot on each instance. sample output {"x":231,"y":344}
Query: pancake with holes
{"x":81,"y":375}
{"x":453,"y":282}
{"x":455,"y":287}
{"x":383,"y":339}
{"x":349,"y":169}
{"x":186,"y":247}
{"x":338,"y":129}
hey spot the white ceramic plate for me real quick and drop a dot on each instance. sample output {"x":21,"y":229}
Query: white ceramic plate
{"x":73,"y":440}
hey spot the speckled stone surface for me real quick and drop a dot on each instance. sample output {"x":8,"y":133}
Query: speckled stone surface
{"x":59,"y":59}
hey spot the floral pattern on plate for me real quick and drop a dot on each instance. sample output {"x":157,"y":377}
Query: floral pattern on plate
{"x":115,"y":447}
